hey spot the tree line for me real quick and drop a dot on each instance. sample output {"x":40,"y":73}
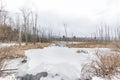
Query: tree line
{"x":22,"y":27}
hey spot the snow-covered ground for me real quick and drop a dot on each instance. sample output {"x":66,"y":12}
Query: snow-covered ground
{"x":9,"y":44}
{"x":6,"y":44}
{"x":61,"y":63}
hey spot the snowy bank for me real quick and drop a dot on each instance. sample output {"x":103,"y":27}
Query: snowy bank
{"x":61,"y":63}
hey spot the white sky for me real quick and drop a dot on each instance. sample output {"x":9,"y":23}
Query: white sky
{"x":81,"y":16}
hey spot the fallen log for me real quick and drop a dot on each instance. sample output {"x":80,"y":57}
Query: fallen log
{"x":8,"y":70}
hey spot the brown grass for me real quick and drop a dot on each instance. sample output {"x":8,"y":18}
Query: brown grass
{"x":117,"y":47}
{"x":106,"y":65}
{"x":91,"y":45}
{"x":18,"y":51}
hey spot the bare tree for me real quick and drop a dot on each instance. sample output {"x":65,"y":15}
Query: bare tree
{"x":42,"y":35}
{"x":1,"y":9}
{"x":50,"y":35}
{"x":65,"y":28}
{"x":19,"y":28}
{"x":26,"y":16}
{"x":118,"y":32}
{"x":3,"y":13}
{"x":34,"y":24}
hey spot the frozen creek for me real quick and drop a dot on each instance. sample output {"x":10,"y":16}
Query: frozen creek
{"x":61,"y":63}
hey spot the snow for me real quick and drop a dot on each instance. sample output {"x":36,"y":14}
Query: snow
{"x":6,"y":44}
{"x":9,"y":44}
{"x":60,"y":62}
{"x":10,"y":77}
{"x":97,"y":78}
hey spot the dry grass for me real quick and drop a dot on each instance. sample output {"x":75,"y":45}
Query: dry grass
{"x":18,"y":51}
{"x":11,"y":52}
{"x":1,"y":66}
{"x":106,"y":66}
{"x":117,"y":47}
{"x":91,"y":45}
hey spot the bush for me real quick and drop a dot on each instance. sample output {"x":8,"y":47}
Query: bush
{"x":106,"y":65}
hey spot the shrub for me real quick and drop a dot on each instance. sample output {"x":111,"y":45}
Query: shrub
{"x":106,"y":65}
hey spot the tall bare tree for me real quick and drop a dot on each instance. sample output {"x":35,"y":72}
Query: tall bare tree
{"x":19,"y":28}
{"x":65,"y":28}
{"x":26,"y":16}
{"x":34,"y":21}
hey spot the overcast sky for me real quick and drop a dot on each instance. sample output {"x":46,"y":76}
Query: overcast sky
{"x":81,"y":16}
